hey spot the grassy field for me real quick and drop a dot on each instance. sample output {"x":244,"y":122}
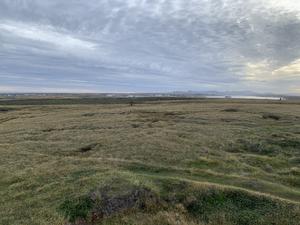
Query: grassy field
{"x":205,"y":162}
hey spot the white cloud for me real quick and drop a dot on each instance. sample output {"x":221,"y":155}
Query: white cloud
{"x":259,"y":71}
{"x":289,"y":5}
{"x":28,"y":89}
{"x":46,"y":34}
{"x":292,"y":70}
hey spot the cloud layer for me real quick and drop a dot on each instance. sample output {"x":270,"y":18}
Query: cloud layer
{"x":149,"y":45}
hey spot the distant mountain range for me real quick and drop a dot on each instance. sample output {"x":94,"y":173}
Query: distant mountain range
{"x":157,"y":94}
{"x":229,"y":93}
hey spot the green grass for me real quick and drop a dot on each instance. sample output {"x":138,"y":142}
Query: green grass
{"x":207,"y":162}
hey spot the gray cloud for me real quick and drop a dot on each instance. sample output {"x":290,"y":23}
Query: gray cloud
{"x":149,"y":45}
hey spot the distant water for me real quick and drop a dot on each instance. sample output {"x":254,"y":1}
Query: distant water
{"x":247,"y":97}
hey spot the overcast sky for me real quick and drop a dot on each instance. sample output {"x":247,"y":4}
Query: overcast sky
{"x":149,"y":45}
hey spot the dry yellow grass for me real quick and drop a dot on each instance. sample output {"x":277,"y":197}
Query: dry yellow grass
{"x":51,"y":152}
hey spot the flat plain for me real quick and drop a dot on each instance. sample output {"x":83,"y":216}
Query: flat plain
{"x":193,"y":161}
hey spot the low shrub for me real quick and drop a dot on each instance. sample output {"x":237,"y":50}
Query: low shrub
{"x":134,"y":125}
{"x":88,"y":148}
{"x":77,"y":208}
{"x":191,"y":202}
{"x":99,"y":204}
{"x":88,"y":114}
{"x":2,"y":109}
{"x":237,"y":207}
{"x":295,"y":160}
{"x":286,"y":142}
{"x":271,"y":116}
{"x":254,"y":146}
{"x":231,"y":110}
